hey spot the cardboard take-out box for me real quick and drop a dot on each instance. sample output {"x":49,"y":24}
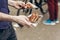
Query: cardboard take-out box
{"x":38,"y":21}
{"x":34,"y":24}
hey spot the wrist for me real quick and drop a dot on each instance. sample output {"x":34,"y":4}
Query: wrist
{"x":14,"y":18}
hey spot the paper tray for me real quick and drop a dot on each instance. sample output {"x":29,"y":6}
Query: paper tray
{"x":38,"y":21}
{"x":34,"y":24}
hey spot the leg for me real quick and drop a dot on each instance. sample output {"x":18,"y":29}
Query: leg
{"x":51,"y":9}
{"x":7,"y":34}
{"x":36,"y":3}
{"x":12,"y":35}
{"x":56,"y":8}
{"x":2,"y":35}
{"x":31,"y":1}
{"x":30,"y":10}
{"x":40,"y":2}
{"x":56,"y":11}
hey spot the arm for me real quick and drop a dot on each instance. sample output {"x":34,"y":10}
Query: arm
{"x":18,"y":19}
{"x":6,"y":17}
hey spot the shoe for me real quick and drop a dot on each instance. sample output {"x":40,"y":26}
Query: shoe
{"x":56,"y":21}
{"x":49,"y":22}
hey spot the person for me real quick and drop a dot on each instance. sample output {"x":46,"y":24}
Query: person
{"x":53,"y":12}
{"x":6,"y":30}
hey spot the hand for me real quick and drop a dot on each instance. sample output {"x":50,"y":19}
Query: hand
{"x":23,"y":20}
{"x":17,"y":4}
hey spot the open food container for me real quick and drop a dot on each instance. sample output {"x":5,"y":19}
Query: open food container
{"x":36,"y":21}
{"x":33,"y":23}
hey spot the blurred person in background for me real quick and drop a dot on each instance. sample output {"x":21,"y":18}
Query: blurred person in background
{"x":53,"y":12}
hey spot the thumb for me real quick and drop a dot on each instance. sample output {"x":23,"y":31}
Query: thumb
{"x":28,"y":23}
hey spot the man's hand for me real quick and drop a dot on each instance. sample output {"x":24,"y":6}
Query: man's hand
{"x":18,"y":19}
{"x":22,"y":20}
{"x":16,"y":4}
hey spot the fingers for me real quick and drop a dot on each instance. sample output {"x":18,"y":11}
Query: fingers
{"x":17,"y":7}
{"x":25,"y":21}
{"x":20,"y":3}
{"x":27,"y":18}
{"x":28,"y":23}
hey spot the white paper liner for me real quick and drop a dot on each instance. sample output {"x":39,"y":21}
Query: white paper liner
{"x":38,"y":21}
{"x":16,"y":25}
{"x":34,"y":24}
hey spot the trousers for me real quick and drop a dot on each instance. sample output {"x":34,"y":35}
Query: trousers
{"x":53,"y":9}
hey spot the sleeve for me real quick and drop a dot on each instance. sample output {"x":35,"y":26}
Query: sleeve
{"x":4,"y":6}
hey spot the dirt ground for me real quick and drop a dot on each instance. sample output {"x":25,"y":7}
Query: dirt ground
{"x":41,"y":32}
